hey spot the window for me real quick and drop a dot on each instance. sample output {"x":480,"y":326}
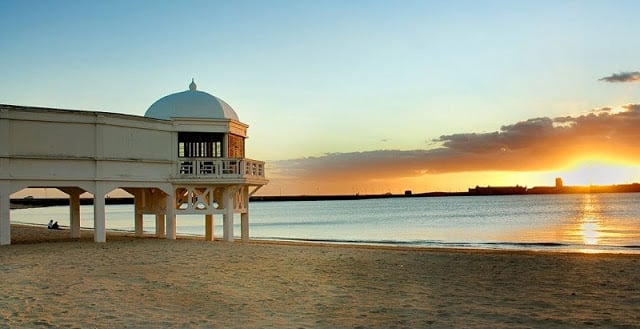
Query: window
{"x":199,"y":145}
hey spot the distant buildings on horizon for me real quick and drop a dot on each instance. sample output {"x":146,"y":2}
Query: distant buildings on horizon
{"x":559,"y":188}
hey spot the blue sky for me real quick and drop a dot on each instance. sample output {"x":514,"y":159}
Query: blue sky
{"x":324,"y":78}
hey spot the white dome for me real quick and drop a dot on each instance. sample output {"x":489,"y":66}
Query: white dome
{"x":191,"y":104}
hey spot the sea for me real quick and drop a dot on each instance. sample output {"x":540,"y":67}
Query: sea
{"x":590,"y":223}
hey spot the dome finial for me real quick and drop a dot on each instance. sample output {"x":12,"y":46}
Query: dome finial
{"x":192,"y":85}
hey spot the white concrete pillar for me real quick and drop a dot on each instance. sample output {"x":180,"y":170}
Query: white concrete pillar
{"x":160,"y":226}
{"x":74,"y":214}
{"x":99,"y":224}
{"x":208,"y":227}
{"x":225,"y":146}
{"x":244,"y":217}
{"x":227,"y":216}
{"x":137,"y":213}
{"x":227,"y":226}
{"x":5,"y":213}
{"x":139,"y":224}
{"x":171,"y":216}
{"x":244,"y":226}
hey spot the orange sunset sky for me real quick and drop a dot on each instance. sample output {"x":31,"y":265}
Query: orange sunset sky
{"x":600,"y":147}
{"x":368,"y":97}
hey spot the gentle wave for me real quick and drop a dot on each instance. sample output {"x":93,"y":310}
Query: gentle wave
{"x":533,"y":246}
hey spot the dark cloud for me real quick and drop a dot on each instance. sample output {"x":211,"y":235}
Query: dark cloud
{"x":623,"y":77}
{"x":534,"y":144}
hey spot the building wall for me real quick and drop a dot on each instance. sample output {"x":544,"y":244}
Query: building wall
{"x":136,"y":144}
{"x":47,"y":144}
{"x":51,"y":139}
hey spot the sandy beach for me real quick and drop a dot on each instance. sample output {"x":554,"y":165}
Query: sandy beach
{"x":51,"y":281}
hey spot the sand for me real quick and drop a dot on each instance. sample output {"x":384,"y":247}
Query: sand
{"x":189,"y":283}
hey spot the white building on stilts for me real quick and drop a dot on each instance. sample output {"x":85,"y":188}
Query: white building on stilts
{"x":185,"y":156}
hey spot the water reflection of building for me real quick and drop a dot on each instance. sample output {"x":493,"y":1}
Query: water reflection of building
{"x":186,"y":155}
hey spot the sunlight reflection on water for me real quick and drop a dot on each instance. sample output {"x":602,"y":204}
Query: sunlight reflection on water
{"x":590,"y":219}
{"x":603,"y":220}
{"x":590,"y":233}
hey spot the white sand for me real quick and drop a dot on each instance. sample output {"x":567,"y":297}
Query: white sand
{"x":153,"y":283}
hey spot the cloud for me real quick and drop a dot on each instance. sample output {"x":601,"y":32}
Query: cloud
{"x":623,"y":77}
{"x":532,"y":145}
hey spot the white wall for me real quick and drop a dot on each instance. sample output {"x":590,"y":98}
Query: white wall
{"x":48,"y":144}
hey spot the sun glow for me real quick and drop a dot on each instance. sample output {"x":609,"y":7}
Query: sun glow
{"x":593,"y":171}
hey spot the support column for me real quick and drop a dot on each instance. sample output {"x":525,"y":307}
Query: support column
{"x":171,"y":216}
{"x":160,"y":226}
{"x":244,"y":217}
{"x":227,"y":216}
{"x":225,"y":146}
{"x":5,"y":214}
{"x":74,"y":214}
{"x":208,"y":227}
{"x":137,"y":211}
{"x":244,"y":226}
{"x":139,"y":224}
{"x":99,"y":225}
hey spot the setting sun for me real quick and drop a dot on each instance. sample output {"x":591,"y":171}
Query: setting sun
{"x":599,"y":172}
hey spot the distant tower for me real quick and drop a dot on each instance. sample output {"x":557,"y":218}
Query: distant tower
{"x":558,"y":182}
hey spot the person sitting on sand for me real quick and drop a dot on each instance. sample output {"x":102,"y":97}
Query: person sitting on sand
{"x":53,"y":225}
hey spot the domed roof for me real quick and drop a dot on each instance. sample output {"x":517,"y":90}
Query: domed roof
{"x":191,"y":104}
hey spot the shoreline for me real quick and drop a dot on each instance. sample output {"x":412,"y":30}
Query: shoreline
{"x":62,"y":235}
{"x":192,"y":283}
{"x":488,"y":247}
{"x":28,"y":234}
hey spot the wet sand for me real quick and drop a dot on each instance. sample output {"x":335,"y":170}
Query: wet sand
{"x":51,"y":281}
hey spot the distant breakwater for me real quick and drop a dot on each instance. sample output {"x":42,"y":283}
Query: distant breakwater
{"x":625,"y":188}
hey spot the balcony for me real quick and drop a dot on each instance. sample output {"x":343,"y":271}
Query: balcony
{"x":220,"y":168}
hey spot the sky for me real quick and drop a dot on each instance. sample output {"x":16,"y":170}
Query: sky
{"x":357,"y":96}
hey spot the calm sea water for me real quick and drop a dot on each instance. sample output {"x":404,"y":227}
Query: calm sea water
{"x":586,"y":222}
